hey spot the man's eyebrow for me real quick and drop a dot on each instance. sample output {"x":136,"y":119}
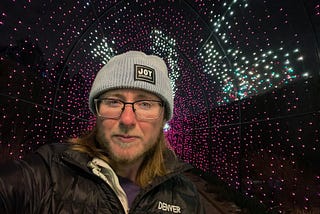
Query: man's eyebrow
{"x":112,"y":95}
{"x":138,"y":97}
{"x":145,"y":96}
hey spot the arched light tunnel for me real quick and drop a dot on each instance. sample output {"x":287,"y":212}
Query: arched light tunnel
{"x":245,"y":76}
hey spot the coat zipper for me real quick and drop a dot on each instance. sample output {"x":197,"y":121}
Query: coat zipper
{"x":103,"y":184}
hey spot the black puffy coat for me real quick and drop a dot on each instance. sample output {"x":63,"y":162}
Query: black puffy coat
{"x":56,"y":179}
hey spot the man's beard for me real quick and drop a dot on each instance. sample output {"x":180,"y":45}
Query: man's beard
{"x":105,"y":145}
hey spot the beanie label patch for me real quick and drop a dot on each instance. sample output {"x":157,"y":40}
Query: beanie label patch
{"x":144,"y":73}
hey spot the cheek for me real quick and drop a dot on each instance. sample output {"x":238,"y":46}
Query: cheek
{"x":104,"y":127}
{"x":105,"y":124}
{"x":152,"y":130}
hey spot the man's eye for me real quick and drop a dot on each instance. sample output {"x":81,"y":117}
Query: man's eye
{"x":113,"y":103}
{"x":145,"y":104}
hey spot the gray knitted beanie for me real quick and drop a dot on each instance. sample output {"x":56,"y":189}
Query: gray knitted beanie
{"x":136,"y":70}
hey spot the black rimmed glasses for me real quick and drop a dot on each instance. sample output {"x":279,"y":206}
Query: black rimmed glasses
{"x":144,"y":109}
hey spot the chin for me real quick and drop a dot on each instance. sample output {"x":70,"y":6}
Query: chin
{"x":125,"y":155}
{"x":126,"y":159}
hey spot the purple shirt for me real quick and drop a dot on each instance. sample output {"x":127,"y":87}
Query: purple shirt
{"x":130,"y":188}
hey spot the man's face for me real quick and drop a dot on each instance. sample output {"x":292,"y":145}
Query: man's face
{"x":128,"y":139}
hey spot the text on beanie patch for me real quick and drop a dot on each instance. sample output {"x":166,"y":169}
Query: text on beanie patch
{"x":144,"y":73}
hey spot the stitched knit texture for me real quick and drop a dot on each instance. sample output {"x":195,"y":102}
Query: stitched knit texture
{"x":134,"y":69}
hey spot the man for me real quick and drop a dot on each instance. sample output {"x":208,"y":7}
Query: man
{"x":123,"y":165}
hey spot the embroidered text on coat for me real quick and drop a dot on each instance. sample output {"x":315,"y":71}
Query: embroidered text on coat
{"x":168,"y":207}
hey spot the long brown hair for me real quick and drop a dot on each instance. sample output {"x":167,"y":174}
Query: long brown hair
{"x":151,"y":167}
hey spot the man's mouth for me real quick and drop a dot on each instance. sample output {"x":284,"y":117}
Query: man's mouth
{"x":126,"y":138}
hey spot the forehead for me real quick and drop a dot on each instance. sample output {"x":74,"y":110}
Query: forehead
{"x":130,"y":93}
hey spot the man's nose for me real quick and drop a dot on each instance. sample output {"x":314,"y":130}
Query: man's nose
{"x":128,"y":116}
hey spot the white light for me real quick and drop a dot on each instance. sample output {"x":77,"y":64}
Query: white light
{"x":305,"y":74}
{"x":300,"y":58}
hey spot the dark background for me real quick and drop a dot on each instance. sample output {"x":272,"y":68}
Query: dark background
{"x":245,"y":75}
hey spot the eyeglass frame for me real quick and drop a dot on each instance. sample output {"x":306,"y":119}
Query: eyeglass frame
{"x":96,"y":100}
